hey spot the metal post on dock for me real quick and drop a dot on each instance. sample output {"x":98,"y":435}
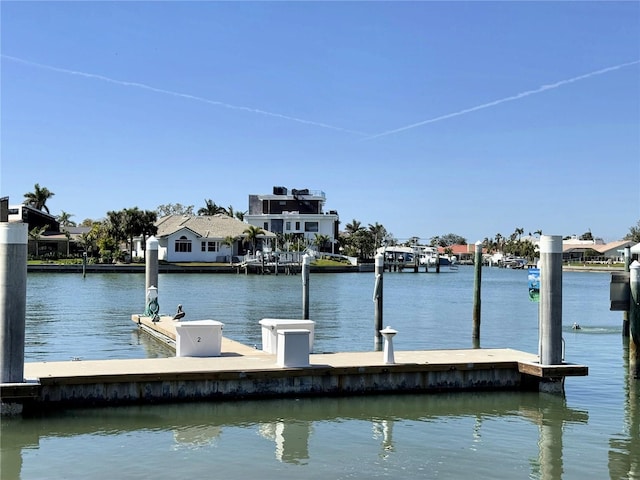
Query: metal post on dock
{"x":625,"y":313}
{"x":151,"y":265}
{"x":551,"y":299}
{"x":475,"y":337}
{"x":634,"y":320}
{"x":306,"y":267}
{"x":377,"y":298}
{"x":13,"y":298}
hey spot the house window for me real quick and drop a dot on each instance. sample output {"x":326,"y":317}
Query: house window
{"x":183,"y":244}
{"x":206,"y":246}
{"x":287,"y":226}
{"x":310,"y":226}
{"x":266,"y":225}
{"x":297,"y":225}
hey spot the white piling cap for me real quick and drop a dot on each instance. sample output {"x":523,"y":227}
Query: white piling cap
{"x":550,"y":244}
{"x":14,"y":233}
{"x":152,"y":243}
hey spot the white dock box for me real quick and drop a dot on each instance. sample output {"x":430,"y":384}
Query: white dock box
{"x":293,"y":348}
{"x":199,"y":338}
{"x":270,"y":327}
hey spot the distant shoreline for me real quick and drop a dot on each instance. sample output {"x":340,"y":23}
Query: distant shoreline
{"x":170,"y":268}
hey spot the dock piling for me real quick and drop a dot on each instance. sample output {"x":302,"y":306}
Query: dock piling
{"x":13,"y":300}
{"x":151,"y":265}
{"x":625,"y":313}
{"x":634,"y":320}
{"x":377,"y":298}
{"x":306,"y":267}
{"x":551,"y":299}
{"x":476,"y":295}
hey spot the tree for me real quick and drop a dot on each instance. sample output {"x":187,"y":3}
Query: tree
{"x":64,"y":219}
{"x":321,"y":241}
{"x":229,"y":241}
{"x":253,"y":233}
{"x":353,"y":227}
{"x":586,"y":235}
{"x":35,"y":234}
{"x":448,"y":240}
{"x":38,"y":198}
{"x":211,"y":208}
{"x":174,"y":209}
{"x":634,"y":233}
{"x":235,"y":214}
{"x":519,"y":232}
{"x":148,"y":227}
{"x":379,"y":234}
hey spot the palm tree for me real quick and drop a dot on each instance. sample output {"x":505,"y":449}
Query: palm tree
{"x":64,"y":219}
{"x":379,"y":233}
{"x":211,"y":208}
{"x":519,"y":231}
{"x":353,"y":227}
{"x":321,"y":240}
{"x":229,"y":241}
{"x":253,"y":233}
{"x":35,"y":234}
{"x":38,"y":198}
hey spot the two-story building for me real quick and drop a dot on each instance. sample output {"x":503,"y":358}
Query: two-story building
{"x":298,"y":212}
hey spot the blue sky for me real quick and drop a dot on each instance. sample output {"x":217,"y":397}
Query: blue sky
{"x":473,"y":118}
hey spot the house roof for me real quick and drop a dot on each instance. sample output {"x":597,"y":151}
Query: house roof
{"x":206,"y":226}
{"x":600,"y":248}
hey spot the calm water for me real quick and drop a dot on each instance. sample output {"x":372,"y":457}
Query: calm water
{"x":593,"y":432}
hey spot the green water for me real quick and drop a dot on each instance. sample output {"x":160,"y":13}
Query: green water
{"x":593,"y":432}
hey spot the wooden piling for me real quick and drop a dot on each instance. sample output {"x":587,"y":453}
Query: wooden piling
{"x":625,"y":313}
{"x":306,"y":267}
{"x":377,"y":298}
{"x":13,"y":300}
{"x":476,"y":295}
{"x":634,"y":320}
{"x":151,"y":265}
{"x":551,"y":299}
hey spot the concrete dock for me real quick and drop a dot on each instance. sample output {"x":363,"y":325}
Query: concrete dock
{"x":246,"y":372}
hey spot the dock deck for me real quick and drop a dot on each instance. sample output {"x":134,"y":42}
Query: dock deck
{"x":246,"y":372}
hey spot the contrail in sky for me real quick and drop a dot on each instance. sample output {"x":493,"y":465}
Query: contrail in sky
{"x":178,"y":94}
{"x":541,"y":89}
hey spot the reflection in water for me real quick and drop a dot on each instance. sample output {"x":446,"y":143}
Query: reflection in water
{"x":383,"y":432}
{"x":290,"y":424}
{"x":624,"y":448}
{"x":291,"y":439}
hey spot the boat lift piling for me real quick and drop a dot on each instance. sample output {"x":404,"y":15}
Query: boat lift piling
{"x":475,"y":336}
{"x":306,"y":267}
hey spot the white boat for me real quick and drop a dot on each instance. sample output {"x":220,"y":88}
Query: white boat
{"x":427,"y":255}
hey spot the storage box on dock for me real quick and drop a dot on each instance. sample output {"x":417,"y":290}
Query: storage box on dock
{"x":293,"y":347}
{"x":271,"y":326}
{"x":199,"y":338}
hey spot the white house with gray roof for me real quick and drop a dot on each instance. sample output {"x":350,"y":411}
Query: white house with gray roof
{"x":200,"y":238}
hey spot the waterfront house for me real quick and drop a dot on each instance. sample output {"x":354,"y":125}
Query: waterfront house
{"x":574,"y":250}
{"x":183,"y":238}
{"x":297,"y":212}
{"x":47,"y":239}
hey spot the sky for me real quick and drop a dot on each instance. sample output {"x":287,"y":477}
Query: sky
{"x":472,"y":118}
